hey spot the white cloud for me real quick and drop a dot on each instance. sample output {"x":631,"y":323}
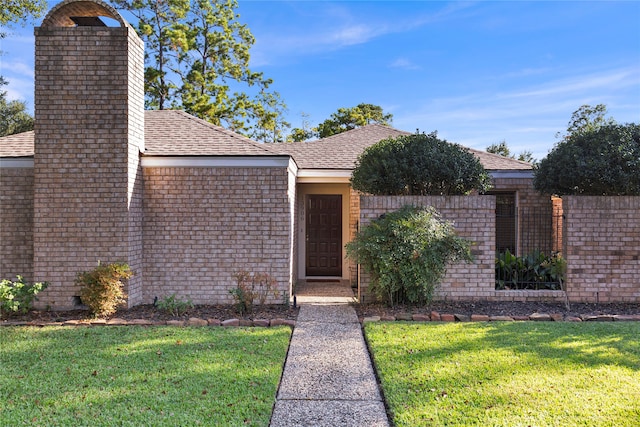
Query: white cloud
{"x":405,"y":64}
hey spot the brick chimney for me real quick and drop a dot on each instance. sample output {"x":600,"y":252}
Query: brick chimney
{"x":89,"y":132}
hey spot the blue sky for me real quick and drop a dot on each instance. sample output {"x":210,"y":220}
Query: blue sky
{"x":477,"y":72}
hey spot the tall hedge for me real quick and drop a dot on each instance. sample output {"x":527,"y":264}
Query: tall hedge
{"x":602,"y":162}
{"x":418,"y":164}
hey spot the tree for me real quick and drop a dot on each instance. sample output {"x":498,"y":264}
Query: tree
{"x":350,"y":118}
{"x":503,"y":150}
{"x":604,"y":161}
{"x":343,"y":120}
{"x":13,"y":115}
{"x":198,"y":60}
{"x":500,"y":149}
{"x":587,"y":119}
{"x":14,"y":11}
{"x":418,"y":164}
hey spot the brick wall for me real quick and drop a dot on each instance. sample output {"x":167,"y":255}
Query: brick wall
{"x":462,"y":281}
{"x":89,"y":130}
{"x":202,"y":225}
{"x":16,"y":222}
{"x":602,"y":248}
{"x":474,"y":219}
{"x":354,"y":223}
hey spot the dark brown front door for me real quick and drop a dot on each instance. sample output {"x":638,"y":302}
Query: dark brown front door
{"x":324,"y":235}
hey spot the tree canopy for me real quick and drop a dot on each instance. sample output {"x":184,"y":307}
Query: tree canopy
{"x":601,"y":161}
{"x":13,"y":116}
{"x":418,"y":164}
{"x":502,"y":149}
{"x":197,"y":59}
{"x":343,"y":120}
{"x":16,"y":11}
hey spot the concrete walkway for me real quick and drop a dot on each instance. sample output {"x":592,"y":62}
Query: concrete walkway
{"x":328,"y":378}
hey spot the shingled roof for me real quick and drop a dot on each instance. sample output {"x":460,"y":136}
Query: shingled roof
{"x":342,"y":150}
{"x":167,"y":133}
{"x":18,"y":145}
{"x":176,"y":133}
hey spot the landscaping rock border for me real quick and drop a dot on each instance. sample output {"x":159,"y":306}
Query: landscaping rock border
{"x":435,"y":316}
{"x":192,"y":321}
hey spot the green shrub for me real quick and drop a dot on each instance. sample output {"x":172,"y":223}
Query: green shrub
{"x":102,"y":289}
{"x":419,"y":165}
{"x":174,"y":305}
{"x":407,"y":253}
{"x":601,"y":162}
{"x":536,"y":270}
{"x":252,"y":288}
{"x":17,"y":296}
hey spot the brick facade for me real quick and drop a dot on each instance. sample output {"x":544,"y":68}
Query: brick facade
{"x":16,"y":222}
{"x":475,"y":281}
{"x":602,"y":248}
{"x":203,"y":225}
{"x":89,"y":132}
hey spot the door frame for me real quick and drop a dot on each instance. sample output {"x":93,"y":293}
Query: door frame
{"x":303,"y":190}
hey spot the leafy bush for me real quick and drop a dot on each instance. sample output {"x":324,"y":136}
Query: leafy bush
{"x":601,"y":162}
{"x":253,"y":288}
{"x":17,"y":296}
{"x":102,"y":289}
{"x":418,"y":164}
{"x":407,"y":253}
{"x":174,"y":305}
{"x":535,"y":270}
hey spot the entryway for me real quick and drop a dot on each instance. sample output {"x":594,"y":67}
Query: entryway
{"x":323,"y":235}
{"x":324,"y":292}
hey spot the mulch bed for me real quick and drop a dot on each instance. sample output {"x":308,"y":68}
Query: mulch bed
{"x":151,"y":313}
{"x":225,"y":312}
{"x":501,"y":308}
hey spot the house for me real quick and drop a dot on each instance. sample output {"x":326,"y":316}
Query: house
{"x":185,"y":203}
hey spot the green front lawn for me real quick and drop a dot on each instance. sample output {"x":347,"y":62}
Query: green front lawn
{"x":136,"y":376}
{"x":509,"y":373}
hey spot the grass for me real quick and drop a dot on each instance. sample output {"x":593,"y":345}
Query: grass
{"x":136,"y":376}
{"x":509,"y":373}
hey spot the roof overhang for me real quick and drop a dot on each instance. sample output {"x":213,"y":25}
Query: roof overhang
{"x":517,"y":174}
{"x":16,"y":162}
{"x":328,"y":176}
{"x":216,"y":161}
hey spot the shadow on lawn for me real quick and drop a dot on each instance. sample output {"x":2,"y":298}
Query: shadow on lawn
{"x":153,"y":376}
{"x":592,"y":344}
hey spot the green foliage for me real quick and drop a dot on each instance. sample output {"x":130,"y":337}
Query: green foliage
{"x":418,"y":164}
{"x":15,"y":11}
{"x":601,"y":162}
{"x":102,"y":289}
{"x":407,"y":253}
{"x":536,"y":270}
{"x":351,"y":118}
{"x":252,"y":288}
{"x":587,"y":119}
{"x":174,"y":305}
{"x":197,"y":59}
{"x":13,"y":116}
{"x":341,"y":121}
{"x":502,"y":149}
{"x":17,"y":296}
